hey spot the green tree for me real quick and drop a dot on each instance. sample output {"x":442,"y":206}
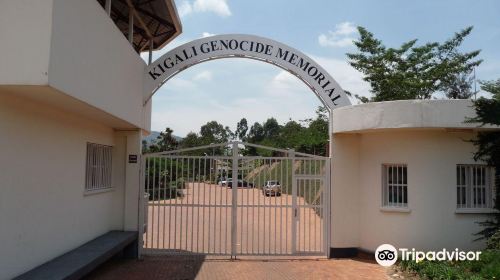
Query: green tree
{"x":271,"y":129}
{"x":488,"y":146}
{"x":410,"y":71}
{"x":459,"y":87}
{"x":166,"y":140}
{"x":241,"y":129}
{"x":214,"y":132}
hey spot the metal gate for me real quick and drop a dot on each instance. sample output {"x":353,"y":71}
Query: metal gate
{"x":212,"y":200}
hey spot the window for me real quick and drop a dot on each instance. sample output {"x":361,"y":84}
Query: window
{"x":98,"y":169}
{"x":474,"y":186}
{"x":395,"y":185}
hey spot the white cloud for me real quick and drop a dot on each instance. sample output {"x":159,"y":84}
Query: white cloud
{"x":185,"y":8}
{"x":207,"y":34}
{"x":340,"y":37}
{"x":243,"y":88}
{"x":203,"y":76}
{"x":348,"y":78}
{"x":218,"y":7}
{"x":286,"y":85}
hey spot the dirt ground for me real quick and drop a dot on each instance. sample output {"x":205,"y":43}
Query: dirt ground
{"x":200,"y":222}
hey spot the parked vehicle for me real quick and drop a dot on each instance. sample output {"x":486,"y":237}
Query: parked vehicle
{"x":272,"y":188}
{"x":241,"y":183}
{"x":223,"y":182}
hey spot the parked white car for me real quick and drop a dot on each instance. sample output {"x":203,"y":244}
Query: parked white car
{"x":272,"y":188}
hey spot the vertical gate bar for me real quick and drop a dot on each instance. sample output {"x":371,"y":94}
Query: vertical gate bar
{"x":310,"y":209}
{"x":234,"y":199}
{"x":240,"y":207}
{"x":212,"y":168}
{"x":294,"y":203}
{"x":198,"y":207}
{"x":326,"y":209}
{"x":300,"y":185}
{"x":158,"y":207}
{"x":176,"y":200}
{"x":226,"y":220}
{"x":254,"y":192}
{"x":164,"y":202}
{"x":146,"y":171}
{"x":187,"y":205}
{"x":153,"y":204}
{"x":226,"y":203}
{"x":158,"y":200}
{"x":193,"y":185}
{"x":314,"y":209}
{"x":269,"y":204}
{"x":261,"y":164}
{"x":203,"y":210}
{"x":249,"y":191}
{"x":299,"y":220}
{"x":275,"y":205}
{"x":170,"y":160}
{"x":264,"y":209}
{"x":287,"y":196}
{"x":142,"y":203}
{"x":220,"y":218}
{"x":181,"y":204}
{"x":282,"y":161}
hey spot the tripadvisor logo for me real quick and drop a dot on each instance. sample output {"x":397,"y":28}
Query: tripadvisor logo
{"x":387,"y":255}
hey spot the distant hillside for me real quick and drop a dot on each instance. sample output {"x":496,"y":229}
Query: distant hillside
{"x":154,"y":134}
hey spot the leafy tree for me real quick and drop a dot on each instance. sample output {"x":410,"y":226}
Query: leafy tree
{"x":241,"y":129}
{"x":214,"y":132}
{"x":191,"y":140}
{"x":145,"y":146}
{"x":166,"y":140}
{"x":411,"y":71}
{"x":488,"y":147}
{"x":256,"y":133}
{"x":459,"y":87}
{"x":271,"y":128}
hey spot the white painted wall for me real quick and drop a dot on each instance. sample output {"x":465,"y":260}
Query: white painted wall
{"x":73,"y":46}
{"x":43,"y":210}
{"x":427,"y":135}
{"x":91,"y":60}
{"x":345,"y":197}
{"x":431,"y":157}
{"x":25,"y":29}
{"x":405,"y":114}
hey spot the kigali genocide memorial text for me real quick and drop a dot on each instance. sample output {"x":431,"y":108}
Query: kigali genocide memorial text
{"x":257,"y":48}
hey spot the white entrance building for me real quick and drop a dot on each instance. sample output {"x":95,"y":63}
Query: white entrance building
{"x":75,"y":103}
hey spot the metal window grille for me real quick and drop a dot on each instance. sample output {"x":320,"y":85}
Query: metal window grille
{"x":98,"y":167}
{"x":474,"y":186}
{"x":395,"y":185}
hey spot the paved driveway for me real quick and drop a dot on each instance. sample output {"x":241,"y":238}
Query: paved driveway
{"x":200,"y":221}
{"x":180,"y":268}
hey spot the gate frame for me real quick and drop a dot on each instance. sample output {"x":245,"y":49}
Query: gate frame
{"x":235,"y":157}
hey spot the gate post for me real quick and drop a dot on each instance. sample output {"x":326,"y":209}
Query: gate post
{"x":234,"y":191}
{"x":291,"y":154}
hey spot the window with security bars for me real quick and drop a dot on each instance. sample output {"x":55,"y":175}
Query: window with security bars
{"x":474,"y":186}
{"x":98,"y":167}
{"x":395,"y":185}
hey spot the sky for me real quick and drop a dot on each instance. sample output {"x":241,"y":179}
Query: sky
{"x":227,"y":90}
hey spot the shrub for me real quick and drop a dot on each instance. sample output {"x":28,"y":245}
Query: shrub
{"x":494,"y":241}
{"x":488,"y":267}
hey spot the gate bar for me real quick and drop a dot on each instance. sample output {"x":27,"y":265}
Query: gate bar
{"x":234,"y":190}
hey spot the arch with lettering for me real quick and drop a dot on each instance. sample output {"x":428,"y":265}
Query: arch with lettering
{"x":246,"y":46}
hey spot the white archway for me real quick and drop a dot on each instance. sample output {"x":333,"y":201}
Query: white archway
{"x":246,"y":46}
